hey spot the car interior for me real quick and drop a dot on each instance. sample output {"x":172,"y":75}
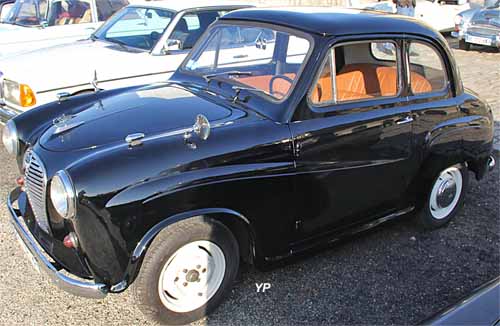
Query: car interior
{"x":70,"y":12}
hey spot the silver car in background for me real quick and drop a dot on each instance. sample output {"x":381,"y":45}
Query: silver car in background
{"x":479,"y":26}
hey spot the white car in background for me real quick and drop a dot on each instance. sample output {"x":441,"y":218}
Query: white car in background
{"x":36,"y":24}
{"x":141,"y":44}
{"x":436,"y":13}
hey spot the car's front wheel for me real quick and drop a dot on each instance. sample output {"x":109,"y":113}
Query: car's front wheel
{"x":187,"y":271}
{"x":446,"y":196}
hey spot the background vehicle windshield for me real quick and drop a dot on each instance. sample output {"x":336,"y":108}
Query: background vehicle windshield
{"x":260,"y":58}
{"x":136,"y":27}
{"x":27,"y":13}
{"x":492,"y":3}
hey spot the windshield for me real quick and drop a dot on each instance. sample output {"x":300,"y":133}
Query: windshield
{"x":136,"y":27}
{"x":262,"y":59}
{"x":27,"y":13}
{"x":492,"y":4}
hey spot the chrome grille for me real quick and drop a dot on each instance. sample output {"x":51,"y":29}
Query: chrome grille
{"x":36,"y":186}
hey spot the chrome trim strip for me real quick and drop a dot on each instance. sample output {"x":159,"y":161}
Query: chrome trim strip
{"x":68,"y":284}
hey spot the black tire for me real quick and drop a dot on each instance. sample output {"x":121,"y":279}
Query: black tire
{"x":462,"y":45}
{"x":427,"y":216}
{"x":166,"y":243}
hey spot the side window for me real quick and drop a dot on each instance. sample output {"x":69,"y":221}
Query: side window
{"x":297,"y":50}
{"x":427,"y":69}
{"x":106,"y":8}
{"x":5,"y":10}
{"x":192,"y":25}
{"x":362,"y":70}
{"x":70,"y":12}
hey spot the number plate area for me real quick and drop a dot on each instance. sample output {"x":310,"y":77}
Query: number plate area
{"x":478,"y":40}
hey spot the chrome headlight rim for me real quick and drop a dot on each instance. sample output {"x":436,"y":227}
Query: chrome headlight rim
{"x":10,"y":138}
{"x":62,"y":195}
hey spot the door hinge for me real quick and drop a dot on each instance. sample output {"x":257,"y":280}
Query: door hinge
{"x":298,"y":225}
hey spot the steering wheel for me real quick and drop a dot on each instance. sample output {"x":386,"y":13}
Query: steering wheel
{"x":271,"y":84}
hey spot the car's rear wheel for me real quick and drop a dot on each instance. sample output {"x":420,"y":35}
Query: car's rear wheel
{"x":445,"y":197}
{"x":187,"y":271}
{"x":462,"y":45}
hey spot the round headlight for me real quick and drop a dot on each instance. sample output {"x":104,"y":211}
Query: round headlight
{"x":9,"y":137}
{"x":62,"y":194}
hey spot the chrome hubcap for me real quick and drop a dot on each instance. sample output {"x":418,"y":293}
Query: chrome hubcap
{"x":445,"y":193}
{"x":192,"y":276}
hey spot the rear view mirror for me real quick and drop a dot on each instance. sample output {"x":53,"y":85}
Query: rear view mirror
{"x":172,"y":45}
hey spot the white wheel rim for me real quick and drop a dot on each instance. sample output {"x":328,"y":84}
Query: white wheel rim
{"x":192,"y":276}
{"x":447,"y":189}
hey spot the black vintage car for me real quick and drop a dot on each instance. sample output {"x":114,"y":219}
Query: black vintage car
{"x":283,"y":131}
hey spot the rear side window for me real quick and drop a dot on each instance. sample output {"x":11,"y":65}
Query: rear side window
{"x":427,"y":70}
{"x":192,"y":25}
{"x":361,"y":70}
{"x":106,"y":8}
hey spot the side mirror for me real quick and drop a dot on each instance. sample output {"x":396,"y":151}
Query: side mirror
{"x":172,"y":45}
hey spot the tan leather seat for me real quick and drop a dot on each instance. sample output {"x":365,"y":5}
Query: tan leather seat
{"x":362,"y":81}
{"x":280,"y":85}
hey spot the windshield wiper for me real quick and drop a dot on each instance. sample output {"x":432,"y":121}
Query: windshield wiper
{"x":238,"y":90}
{"x":227,"y":73}
{"x":120,"y":43}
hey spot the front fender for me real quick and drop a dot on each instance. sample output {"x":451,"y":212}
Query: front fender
{"x":224,"y":215}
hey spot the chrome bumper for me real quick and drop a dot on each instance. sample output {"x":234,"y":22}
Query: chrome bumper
{"x":7,"y":113}
{"x":68,"y":284}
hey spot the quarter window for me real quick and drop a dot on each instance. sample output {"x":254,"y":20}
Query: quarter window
{"x":362,"y":70}
{"x":106,"y":8}
{"x":192,"y":25}
{"x":426,"y":68}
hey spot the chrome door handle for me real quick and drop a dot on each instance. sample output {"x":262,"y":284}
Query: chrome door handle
{"x":407,"y":119}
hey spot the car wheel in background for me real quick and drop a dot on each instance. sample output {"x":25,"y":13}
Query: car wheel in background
{"x":462,"y":45}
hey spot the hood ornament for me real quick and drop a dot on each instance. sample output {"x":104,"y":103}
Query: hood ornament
{"x":62,"y":123}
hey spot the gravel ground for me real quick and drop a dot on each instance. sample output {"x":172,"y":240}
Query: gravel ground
{"x":395,"y":274}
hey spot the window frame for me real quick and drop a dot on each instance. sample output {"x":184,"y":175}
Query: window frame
{"x":446,"y":89}
{"x":331,"y":54}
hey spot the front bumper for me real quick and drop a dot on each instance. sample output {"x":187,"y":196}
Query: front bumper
{"x":68,"y":284}
{"x":7,"y":113}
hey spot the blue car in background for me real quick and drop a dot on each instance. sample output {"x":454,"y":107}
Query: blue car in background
{"x":479,"y":26}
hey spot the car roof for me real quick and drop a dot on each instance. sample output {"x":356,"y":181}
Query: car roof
{"x":333,"y":21}
{"x":190,"y":4}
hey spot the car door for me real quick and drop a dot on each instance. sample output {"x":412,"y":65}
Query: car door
{"x":70,"y":21}
{"x":353,"y":138}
